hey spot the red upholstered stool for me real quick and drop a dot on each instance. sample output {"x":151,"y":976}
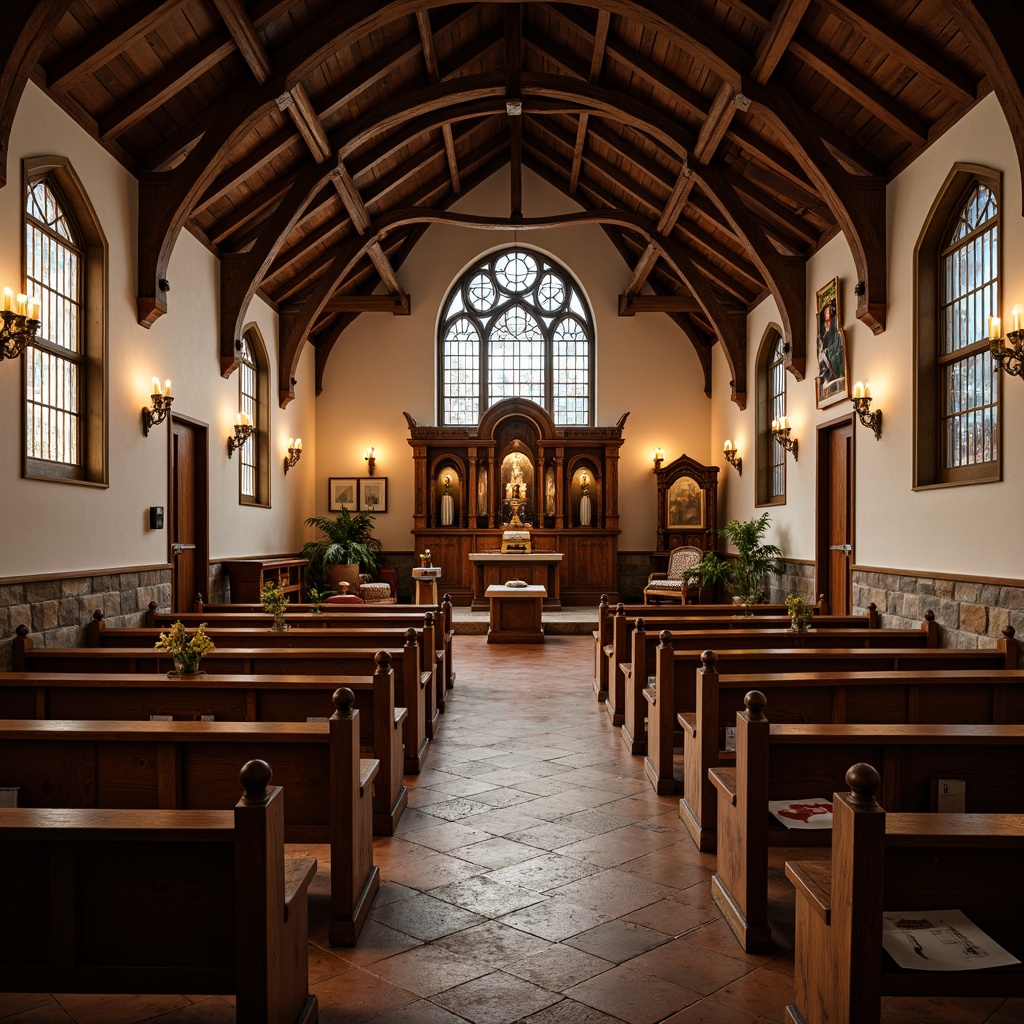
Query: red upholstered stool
{"x":343,"y":599}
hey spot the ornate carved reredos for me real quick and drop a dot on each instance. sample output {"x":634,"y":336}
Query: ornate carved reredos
{"x":517,"y":447}
{"x":687,"y":505}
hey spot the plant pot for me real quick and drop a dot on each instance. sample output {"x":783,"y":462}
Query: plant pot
{"x":800,"y":625}
{"x":185,"y":669}
{"x":279,"y":624}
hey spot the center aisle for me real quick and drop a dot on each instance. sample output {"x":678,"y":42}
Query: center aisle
{"x":536,"y":876}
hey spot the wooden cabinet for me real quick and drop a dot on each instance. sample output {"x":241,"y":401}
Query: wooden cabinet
{"x":516,"y":467}
{"x":687,"y":505}
{"x":249,"y":575}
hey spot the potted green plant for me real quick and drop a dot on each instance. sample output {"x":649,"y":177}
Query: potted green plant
{"x":186,"y":650}
{"x":754,"y":561}
{"x":275,"y":602}
{"x":800,"y":613}
{"x":346,"y":548}
{"x":317,"y":596}
{"x":712,"y":571}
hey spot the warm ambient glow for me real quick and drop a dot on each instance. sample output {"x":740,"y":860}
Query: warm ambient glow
{"x":242,"y":419}
{"x":861,"y":390}
{"x":22,"y":305}
{"x":728,"y":446}
{"x":165,"y":390}
{"x":995,"y":328}
{"x":295,"y":443}
{"x":780,"y":424}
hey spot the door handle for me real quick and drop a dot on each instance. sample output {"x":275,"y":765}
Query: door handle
{"x":845,"y":548}
{"x":176,"y":549}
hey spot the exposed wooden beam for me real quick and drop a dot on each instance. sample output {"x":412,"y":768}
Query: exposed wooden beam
{"x":596,"y":60}
{"x":104,"y":45}
{"x":351,"y":199}
{"x":433,"y":76}
{"x":778,"y":33}
{"x":398,"y":305}
{"x":514,"y":102}
{"x":723,"y":107}
{"x":630,"y":305}
{"x":243,"y":32}
{"x":299,"y":108}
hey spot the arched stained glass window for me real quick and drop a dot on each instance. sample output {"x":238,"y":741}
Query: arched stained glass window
{"x":771,"y":405}
{"x":516,"y":325}
{"x":253,"y":460}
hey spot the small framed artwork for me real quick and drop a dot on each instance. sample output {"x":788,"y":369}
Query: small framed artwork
{"x":373,"y":494}
{"x":831,"y":382}
{"x":343,"y":492}
{"x":684,"y":505}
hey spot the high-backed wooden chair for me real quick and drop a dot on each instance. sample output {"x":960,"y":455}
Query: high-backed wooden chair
{"x":679,"y":582}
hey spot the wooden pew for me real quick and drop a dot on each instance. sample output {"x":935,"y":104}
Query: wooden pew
{"x":181,"y":765}
{"x":236,"y":698}
{"x":788,"y":762}
{"x":633,"y":654}
{"x":904,"y":862}
{"x":939,"y":697}
{"x":333,"y":664}
{"x":159,"y":901}
{"x":442,"y":610}
{"x":675,"y":688}
{"x":606,"y":612}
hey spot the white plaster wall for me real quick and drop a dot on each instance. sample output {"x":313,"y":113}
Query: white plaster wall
{"x":941,"y":530}
{"x":56,"y":527}
{"x":384,"y":364}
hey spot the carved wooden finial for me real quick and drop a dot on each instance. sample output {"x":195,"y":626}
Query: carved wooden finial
{"x":428,"y":619}
{"x":603,"y":603}
{"x":343,"y":699}
{"x":754,"y":702}
{"x":709,"y":660}
{"x":640,"y":624}
{"x":22,"y":630}
{"x":929,"y":616}
{"x":255,"y":776}
{"x":97,"y":614}
{"x":410,"y":637}
{"x":383,"y":659}
{"x":1009,"y":632}
{"x":872,"y":607}
{"x":152,"y":606}
{"x":665,"y":638}
{"x":620,"y":609}
{"x":863,"y":781}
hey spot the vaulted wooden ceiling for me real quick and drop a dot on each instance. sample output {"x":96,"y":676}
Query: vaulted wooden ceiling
{"x":310,"y":143}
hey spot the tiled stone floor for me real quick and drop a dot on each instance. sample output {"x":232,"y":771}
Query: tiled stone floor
{"x":535,"y":877}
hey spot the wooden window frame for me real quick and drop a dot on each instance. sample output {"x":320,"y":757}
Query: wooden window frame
{"x":766,"y":444}
{"x":260,"y":415}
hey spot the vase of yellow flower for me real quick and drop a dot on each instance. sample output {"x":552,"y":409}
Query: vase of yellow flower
{"x":186,"y":650}
{"x":800,"y":613}
{"x":275,"y":603}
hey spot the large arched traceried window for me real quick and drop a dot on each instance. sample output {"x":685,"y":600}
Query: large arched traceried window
{"x":957,"y":387}
{"x":516,"y":325}
{"x":65,"y":388}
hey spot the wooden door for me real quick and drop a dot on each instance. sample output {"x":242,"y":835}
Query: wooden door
{"x":189,"y":515}
{"x":834,"y":515}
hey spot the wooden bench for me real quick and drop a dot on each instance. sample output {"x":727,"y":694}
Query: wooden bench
{"x":236,"y":698}
{"x":633,"y":654}
{"x":904,"y":862}
{"x":333,"y":664}
{"x":675,"y":687}
{"x":98,"y":900}
{"x":442,"y":612}
{"x":182,"y":765}
{"x":606,"y":612}
{"x":790,"y":762}
{"x":939,"y":697}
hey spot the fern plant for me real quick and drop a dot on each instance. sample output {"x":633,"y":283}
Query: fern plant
{"x":347,"y":540}
{"x":755,"y":560}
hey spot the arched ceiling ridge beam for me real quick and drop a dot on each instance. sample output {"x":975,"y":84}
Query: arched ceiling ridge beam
{"x":858,"y":202}
{"x":27,"y":30}
{"x":785,"y":277}
{"x":994,"y":29}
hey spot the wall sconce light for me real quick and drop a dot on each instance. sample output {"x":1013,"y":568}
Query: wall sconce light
{"x":243,"y":428}
{"x":20,"y":325}
{"x":155,"y":415}
{"x":294,"y":453}
{"x":1007,"y":352}
{"x":659,"y":458}
{"x":371,"y":462}
{"x":862,"y":403}
{"x":732,"y":456}
{"x":781,"y":429}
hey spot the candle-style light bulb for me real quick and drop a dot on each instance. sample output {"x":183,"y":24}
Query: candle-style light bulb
{"x":298,"y":443}
{"x":867,"y":390}
{"x":994,"y":328}
{"x":156,"y":386}
{"x":8,"y":299}
{"x":858,"y":389}
{"x":167,"y":389}
{"x":728,"y":446}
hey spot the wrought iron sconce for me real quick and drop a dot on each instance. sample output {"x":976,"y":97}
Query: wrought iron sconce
{"x":294,"y":453}
{"x":155,"y":415}
{"x":243,"y":428}
{"x":659,"y":458}
{"x":20,"y":325}
{"x":862,"y":403}
{"x":781,"y":431}
{"x":371,"y":462}
{"x":1007,"y":352}
{"x":732,"y":456}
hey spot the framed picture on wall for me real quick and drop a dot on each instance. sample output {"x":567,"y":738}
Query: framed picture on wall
{"x":343,"y":492}
{"x":684,"y":505}
{"x":373,"y":494}
{"x":831,"y":382}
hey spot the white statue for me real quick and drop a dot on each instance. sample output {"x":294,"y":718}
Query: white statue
{"x":447,"y":502}
{"x":516,"y":487}
{"x":585,"y":500}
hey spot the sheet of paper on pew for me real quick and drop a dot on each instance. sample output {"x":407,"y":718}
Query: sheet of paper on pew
{"x":940,"y":940}
{"x":813,"y":812}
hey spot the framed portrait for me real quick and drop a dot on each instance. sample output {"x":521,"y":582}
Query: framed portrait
{"x":342,"y":492}
{"x":830,"y":385}
{"x":684,"y":505}
{"x":373,"y":494}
